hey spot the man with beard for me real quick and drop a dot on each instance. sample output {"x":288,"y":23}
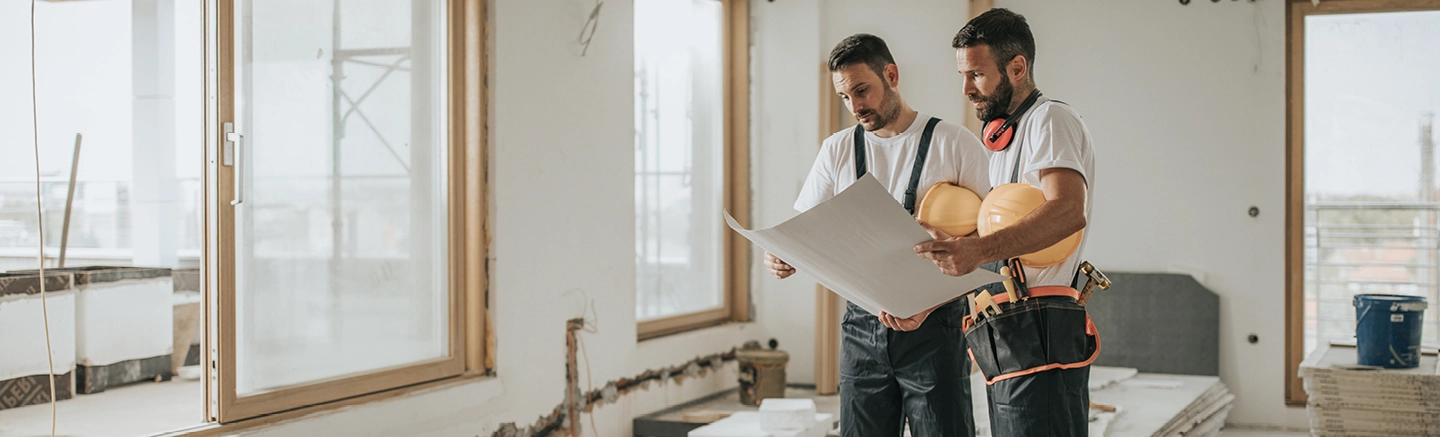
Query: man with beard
{"x":1043,"y":143}
{"x":894,"y":370}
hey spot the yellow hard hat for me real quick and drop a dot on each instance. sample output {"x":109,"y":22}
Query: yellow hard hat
{"x":1009,"y":203}
{"x":950,"y":208}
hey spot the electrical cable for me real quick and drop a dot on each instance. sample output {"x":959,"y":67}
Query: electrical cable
{"x":589,"y":384}
{"x":40,"y":218}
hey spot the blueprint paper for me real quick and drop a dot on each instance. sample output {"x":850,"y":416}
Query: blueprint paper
{"x":861,"y":244}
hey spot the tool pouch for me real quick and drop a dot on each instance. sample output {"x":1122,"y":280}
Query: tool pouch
{"x":1033,"y":335}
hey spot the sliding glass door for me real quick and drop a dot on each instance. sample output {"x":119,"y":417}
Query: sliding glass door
{"x":335,"y":199}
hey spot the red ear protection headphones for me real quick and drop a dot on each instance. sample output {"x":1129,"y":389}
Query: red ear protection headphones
{"x":999,"y":131}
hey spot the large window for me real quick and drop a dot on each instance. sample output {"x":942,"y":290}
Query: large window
{"x":119,"y":109}
{"x":1363,"y":212}
{"x":305,"y":178}
{"x":341,"y":181}
{"x":690,"y":142}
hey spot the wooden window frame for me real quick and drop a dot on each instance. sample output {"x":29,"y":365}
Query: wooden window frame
{"x":469,"y":354}
{"x":736,"y":287}
{"x":1296,"y":11}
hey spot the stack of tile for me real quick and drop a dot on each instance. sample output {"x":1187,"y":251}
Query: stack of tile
{"x":1346,"y":399}
{"x":1202,"y":417}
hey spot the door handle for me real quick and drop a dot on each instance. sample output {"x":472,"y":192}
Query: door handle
{"x":236,"y":140}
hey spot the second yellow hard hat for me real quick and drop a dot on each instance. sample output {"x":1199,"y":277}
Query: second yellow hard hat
{"x":959,"y":211}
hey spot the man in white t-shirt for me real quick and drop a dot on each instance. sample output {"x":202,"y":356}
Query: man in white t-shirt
{"x":1038,"y":385}
{"x":894,"y":371}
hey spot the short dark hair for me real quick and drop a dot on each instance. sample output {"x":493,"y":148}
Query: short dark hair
{"x":861,"y":48}
{"x":1007,"y":34}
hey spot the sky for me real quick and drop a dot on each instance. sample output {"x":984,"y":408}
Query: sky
{"x":1370,"y":81}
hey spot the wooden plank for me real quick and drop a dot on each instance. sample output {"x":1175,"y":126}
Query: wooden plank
{"x":827,"y":304}
{"x":827,"y":341}
{"x":737,"y":162}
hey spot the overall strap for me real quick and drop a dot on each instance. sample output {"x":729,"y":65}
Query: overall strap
{"x":1014,"y":123}
{"x":1015,"y":173}
{"x":920,"y":154}
{"x":859,"y":151}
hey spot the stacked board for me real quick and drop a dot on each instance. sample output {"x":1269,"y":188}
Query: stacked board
{"x":1346,"y":399}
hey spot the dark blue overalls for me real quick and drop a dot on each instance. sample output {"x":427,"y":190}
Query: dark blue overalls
{"x":889,"y":377}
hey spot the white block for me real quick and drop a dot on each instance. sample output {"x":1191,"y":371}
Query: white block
{"x":123,"y":320}
{"x":742,"y":424}
{"x":787,"y":414}
{"x":824,"y":422}
{"x":22,"y":334}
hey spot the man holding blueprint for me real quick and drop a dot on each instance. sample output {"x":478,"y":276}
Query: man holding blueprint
{"x":893,"y":368}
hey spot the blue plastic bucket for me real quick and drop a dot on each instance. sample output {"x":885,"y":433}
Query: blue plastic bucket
{"x":1387,"y":329}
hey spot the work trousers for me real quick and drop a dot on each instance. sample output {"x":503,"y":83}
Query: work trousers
{"x":1053,"y":403}
{"x":889,"y":377}
{"x":1050,"y":403}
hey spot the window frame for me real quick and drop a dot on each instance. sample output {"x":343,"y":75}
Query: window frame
{"x":736,"y":171}
{"x":1296,"y":11}
{"x":467,"y":199}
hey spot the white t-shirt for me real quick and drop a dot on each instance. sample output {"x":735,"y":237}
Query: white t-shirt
{"x":1050,"y":135}
{"x":955,"y":156}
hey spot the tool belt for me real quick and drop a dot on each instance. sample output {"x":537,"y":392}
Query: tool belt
{"x":1045,"y":329}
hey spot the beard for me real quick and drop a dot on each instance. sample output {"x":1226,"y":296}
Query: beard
{"x":888,"y":112}
{"x":994,"y":105}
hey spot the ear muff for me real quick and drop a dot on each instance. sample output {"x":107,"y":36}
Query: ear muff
{"x":999,"y":131}
{"x":997,"y":134}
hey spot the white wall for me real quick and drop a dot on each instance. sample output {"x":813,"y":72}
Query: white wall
{"x":918,"y":33}
{"x":1185,"y":103}
{"x":1187,"y":108}
{"x":787,"y":66}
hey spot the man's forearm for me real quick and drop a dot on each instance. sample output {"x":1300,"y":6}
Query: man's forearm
{"x":1048,"y":224}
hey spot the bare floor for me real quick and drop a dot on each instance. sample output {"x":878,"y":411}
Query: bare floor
{"x":127,"y":411}
{"x":152,"y":408}
{"x":1260,"y":433}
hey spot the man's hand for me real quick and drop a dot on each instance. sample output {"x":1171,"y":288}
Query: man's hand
{"x":778,"y":268}
{"x":908,"y":324}
{"x":954,"y":256}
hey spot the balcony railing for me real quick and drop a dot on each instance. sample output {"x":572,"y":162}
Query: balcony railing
{"x":1357,"y":247}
